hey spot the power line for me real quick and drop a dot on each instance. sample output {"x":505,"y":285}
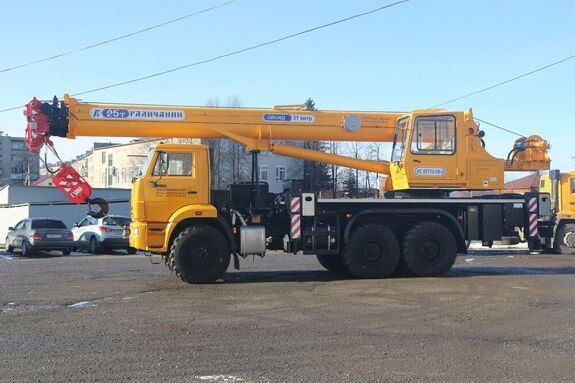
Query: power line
{"x":497,"y":126}
{"x":506,"y":81}
{"x":116,"y":38}
{"x":253,"y":47}
{"x":503,"y":83}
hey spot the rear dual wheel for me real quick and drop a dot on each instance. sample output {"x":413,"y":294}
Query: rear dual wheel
{"x":428,"y":250}
{"x":332,"y":262}
{"x":372,"y":252}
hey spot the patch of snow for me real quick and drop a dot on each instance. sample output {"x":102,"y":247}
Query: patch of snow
{"x":220,"y":378}
{"x":82,"y":305}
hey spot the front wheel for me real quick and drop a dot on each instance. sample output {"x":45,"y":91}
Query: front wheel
{"x":565,"y":239}
{"x":9,"y":248}
{"x":66,"y":251}
{"x":201,"y":254}
{"x":131,"y":250}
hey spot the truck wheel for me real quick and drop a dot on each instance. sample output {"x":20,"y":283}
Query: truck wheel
{"x":372,"y":252}
{"x":429,"y":249}
{"x":565,"y":239}
{"x":332,"y":262}
{"x":201,"y":254}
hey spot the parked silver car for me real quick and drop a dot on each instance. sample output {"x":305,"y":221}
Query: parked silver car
{"x":102,"y":234}
{"x":36,"y":234}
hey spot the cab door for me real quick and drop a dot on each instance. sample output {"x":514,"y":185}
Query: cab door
{"x":568,"y":196}
{"x":175,"y":181}
{"x":431,"y":158}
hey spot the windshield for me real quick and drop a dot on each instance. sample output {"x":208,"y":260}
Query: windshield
{"x":148,"y":160}
{"x":120,"y":221}
{"x":399,"y":140}
{"x":48,"y":224}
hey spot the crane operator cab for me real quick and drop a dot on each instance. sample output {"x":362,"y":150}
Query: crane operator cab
{"x":444,"y":150}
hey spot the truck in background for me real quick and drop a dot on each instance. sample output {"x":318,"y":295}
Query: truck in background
{"x":559,"y":233}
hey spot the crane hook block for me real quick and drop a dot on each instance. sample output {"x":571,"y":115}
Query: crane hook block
{"x":38,"y":127}
{"x":70,"y":182}
{"x":102,"y":203}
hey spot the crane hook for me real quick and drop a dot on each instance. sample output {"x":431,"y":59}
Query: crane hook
{"x":102,"y":204}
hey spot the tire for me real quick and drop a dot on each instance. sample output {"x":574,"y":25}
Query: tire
{"x":131,"y":250}
{"x":9,"y":248}
{"x":94,"y":247}
{"x":201,"y":254}
{"x":332,"y":262}
{"x":66,"y":251}
{"x":565,"y":239}
{"x":429,"y":249}
{"x":372,"y":252}
{"x":26,"y":249}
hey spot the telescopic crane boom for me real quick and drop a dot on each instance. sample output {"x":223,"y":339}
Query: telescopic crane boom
{"x":432,"y":149}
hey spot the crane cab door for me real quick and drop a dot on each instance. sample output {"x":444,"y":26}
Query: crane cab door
{"x":177,"y":178}
{"x":430,"y":159}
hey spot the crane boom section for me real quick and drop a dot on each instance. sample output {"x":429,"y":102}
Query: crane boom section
{"x":133,"y":120}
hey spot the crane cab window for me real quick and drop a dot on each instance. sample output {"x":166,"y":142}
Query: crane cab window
{"x":174,"y":164}
{"x":434,"y":135}
{"x":572,"y":185}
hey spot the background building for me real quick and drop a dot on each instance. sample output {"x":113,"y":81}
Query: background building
{"x":17,"y":165}
{"x":115,"y":165}
{"x":230,"y":164}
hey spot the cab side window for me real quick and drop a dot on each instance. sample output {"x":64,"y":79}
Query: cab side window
{"x":174,"y":164}
{"x":572,"y":185}
{"x":20,"y":225}
{"x":434,"y":135}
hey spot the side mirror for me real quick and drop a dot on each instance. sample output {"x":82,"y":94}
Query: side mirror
{"x":11,"y":228}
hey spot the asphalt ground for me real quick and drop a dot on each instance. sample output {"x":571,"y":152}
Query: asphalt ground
{"x":499,"y":315}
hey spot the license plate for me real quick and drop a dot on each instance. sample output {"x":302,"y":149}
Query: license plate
{"x":53,"y":236}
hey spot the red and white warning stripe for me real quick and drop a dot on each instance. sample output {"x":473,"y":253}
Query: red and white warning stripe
{"x":295,"y":204}
{"x":533,"y":217}
{"x":295,"y":231}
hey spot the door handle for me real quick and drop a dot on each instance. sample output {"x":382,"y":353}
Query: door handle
{"x":418,"y":161}
{"x":192,"y":192}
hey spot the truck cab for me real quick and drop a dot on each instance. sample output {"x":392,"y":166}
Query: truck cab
{"x":174,"y":187}
{"x":561,"y":187}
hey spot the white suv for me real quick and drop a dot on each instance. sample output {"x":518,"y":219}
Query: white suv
{"x":102,"y":234}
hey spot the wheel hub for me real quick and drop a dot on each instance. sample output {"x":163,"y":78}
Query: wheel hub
{"x":569,"y":239}
{"x":200,"y":255}
{"x":373,"y":252}
{"x":430,"y":249}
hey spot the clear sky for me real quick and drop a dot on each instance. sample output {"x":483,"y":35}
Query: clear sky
{"x":414,"y":55}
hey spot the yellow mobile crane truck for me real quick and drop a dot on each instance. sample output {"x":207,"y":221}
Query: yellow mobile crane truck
{"x":561,"y":225}
{"x":417,"y":230}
